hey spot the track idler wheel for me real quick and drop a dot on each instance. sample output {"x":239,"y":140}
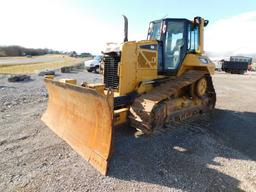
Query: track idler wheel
{"x":201,"y":87}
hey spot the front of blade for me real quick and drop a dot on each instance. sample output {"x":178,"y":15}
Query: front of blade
{"x":83,"y":118}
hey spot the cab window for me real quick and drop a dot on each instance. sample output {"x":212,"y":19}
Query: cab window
{"x":193,"y":38}
{"x":154,"y":32}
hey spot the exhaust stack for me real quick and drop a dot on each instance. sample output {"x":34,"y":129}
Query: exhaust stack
{"x":125,"y":28}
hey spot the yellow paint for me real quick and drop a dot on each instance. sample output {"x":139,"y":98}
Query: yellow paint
{"x":99,"y":87}
{"x":139,"y":65}
{"x":120,"y":116}
{"x":83,"y":118}
{"x":70,"y":81}
{"x":136,"y":65}
{"x":49,"y":76}
{"x":201,"y":38}
{"x":192,"y":62}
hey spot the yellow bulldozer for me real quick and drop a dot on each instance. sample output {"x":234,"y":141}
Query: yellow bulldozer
{"x":147,"y":84}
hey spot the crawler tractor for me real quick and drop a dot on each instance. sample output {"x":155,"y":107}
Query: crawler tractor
{"x":146,"y":84}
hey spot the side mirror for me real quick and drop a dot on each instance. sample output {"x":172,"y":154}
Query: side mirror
{"x":198,"y":20}
{"x":206,"y":22}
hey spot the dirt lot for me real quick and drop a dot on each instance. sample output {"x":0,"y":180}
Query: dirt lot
{"x":215,"y":152}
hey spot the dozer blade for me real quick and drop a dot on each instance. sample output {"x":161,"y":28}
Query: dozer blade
{"x":83,"y":118}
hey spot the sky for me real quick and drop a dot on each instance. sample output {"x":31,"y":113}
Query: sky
{"x":87,"y":25}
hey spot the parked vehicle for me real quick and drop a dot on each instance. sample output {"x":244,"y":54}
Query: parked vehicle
{"x":218,"y":65}
{"x":94,"y":64}
{"x":237,"y":65}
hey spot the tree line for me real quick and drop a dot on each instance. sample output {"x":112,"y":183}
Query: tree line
{"x":13,"y":51}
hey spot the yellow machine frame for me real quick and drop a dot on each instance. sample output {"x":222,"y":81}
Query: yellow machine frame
{"x":84,"y":115}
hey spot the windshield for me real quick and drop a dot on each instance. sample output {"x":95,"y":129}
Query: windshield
{"x":98,"y":58}
{"x":154,"y":31}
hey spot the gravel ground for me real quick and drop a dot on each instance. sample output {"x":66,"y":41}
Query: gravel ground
{"x":215,"y":152}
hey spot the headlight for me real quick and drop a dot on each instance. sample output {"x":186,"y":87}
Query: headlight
{"x":204,"y":60}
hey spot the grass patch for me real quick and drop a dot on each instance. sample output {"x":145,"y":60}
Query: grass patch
{"x":36,"y":67}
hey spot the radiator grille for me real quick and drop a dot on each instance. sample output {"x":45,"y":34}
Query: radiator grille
{"x":111,"y":79}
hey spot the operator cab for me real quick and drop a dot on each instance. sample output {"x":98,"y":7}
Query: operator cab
{"x":176,"y":38}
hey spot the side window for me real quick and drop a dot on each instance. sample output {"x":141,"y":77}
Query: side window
{"x":154,"y":32}
{"x":193,"y":37}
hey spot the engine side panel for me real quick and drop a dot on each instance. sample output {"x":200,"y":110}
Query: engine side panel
{"x":138,"y":63}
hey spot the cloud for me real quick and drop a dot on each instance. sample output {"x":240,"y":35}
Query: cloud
{"x":232,"y":36}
